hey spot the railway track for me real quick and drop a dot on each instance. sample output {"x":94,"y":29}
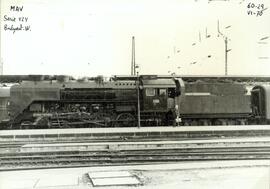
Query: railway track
{"x":14,"y":146}
{"x":60,"y":159}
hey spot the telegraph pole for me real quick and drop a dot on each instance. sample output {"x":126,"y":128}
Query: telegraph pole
{"x":226,"y":55}
{"x":133,"y":68}
{"x":138,"y":94}
{"x":225,"y":38}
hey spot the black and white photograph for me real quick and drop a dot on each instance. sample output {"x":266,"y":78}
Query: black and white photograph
{"x":134,"y":94}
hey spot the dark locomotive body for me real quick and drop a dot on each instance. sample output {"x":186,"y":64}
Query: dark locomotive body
{"x":260,"y":100}
{"x":214,"y":103}
{"x":63,"y":102}
{"x":4,"y":102}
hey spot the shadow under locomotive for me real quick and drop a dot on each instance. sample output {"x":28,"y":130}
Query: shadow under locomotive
{"x":129,"y":101}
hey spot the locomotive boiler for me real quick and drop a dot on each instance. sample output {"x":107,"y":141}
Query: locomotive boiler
{"x":64,"y":103}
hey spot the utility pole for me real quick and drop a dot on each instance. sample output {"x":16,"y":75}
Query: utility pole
{"x":133,"y":68}
{"x":138,"y":94}
{"x":225,"y":38}
{"x":226,"y":55}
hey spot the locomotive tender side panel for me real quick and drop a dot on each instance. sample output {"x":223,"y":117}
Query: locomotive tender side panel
{"x":215,"y":100}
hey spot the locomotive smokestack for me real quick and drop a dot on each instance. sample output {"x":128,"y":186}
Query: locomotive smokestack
{"x":133,"y":71}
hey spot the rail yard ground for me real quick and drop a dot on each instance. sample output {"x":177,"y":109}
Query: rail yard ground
{"x":153,"y":157}
{"x":196,"y":175}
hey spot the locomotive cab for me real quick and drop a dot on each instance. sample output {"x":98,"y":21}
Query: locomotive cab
{"x":158,"y":95}
{"x":260,"y":102}
{"x":159,"y":98}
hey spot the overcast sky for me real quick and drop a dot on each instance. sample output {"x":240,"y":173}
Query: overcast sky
{"x":93,"y":37}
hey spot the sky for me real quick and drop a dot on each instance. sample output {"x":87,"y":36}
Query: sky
{"x":93,"y":37}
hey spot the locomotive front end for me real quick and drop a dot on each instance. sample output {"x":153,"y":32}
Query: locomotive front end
{"x":4,"y":103}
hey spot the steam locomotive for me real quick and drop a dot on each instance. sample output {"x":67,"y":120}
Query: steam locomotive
{"x":129,"y":101}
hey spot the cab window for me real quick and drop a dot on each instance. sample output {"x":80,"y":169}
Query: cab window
{"x":162,"y":92}
{"x":150,"y":92}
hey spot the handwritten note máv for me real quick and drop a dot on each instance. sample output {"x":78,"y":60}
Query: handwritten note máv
{"x":16,"y":21}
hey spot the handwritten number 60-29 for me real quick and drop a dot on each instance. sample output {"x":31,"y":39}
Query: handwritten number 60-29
{"x":252,"y":5}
